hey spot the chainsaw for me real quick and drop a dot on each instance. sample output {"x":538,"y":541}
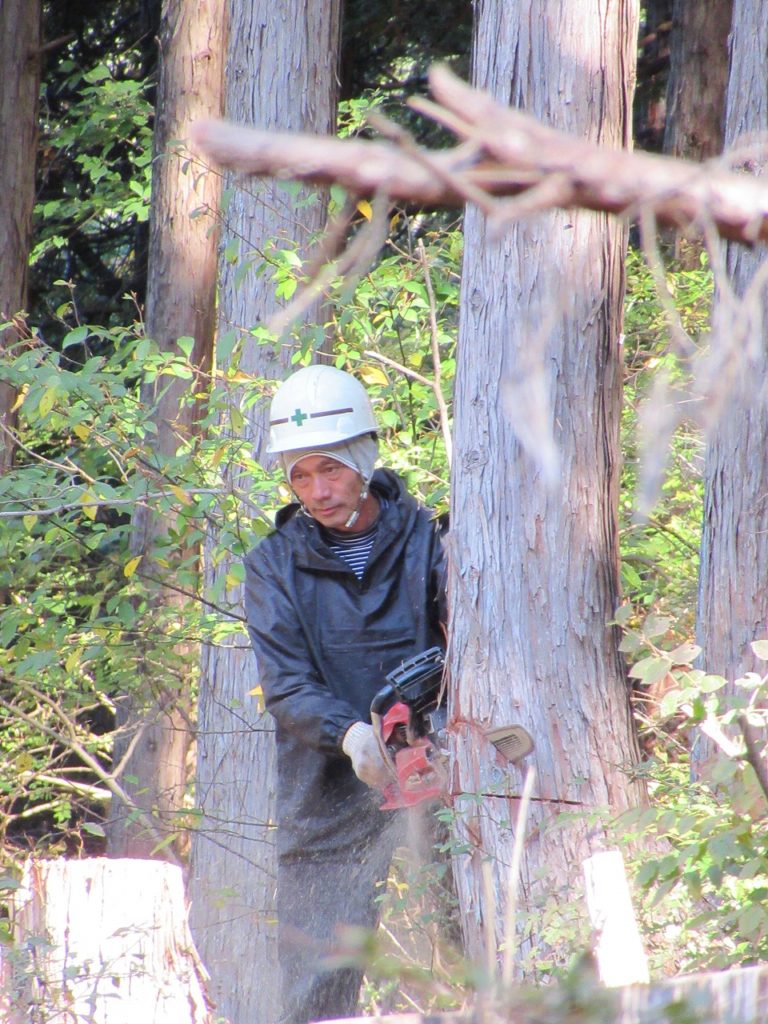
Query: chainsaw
{"x":409,"y":718}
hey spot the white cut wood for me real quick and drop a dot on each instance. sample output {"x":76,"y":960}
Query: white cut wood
{"x":621,"y":959}
{"x":104,"y":942}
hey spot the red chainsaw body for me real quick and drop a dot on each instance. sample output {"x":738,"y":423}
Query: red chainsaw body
{"x":418,"y":777}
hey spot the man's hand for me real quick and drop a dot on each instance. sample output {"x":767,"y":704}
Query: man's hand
{"x":362,"y":748}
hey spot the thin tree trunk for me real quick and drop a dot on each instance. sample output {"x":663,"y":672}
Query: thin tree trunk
{"x":281,"y":75}
{"x":698,"y":80}
{"x":20,"y":56}
{"x":733,"y":580}
{"x":534,"y":577}
{"x":155,"y":716}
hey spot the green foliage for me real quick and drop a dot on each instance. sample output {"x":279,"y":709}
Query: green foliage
{"x":94,"y":173}
{"x":660,"y":553}
{"x":385,"y":335}
{"x":81,"y":616}
{"x":709,"y":879}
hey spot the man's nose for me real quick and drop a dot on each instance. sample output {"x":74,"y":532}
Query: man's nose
{"x":320,"y":486}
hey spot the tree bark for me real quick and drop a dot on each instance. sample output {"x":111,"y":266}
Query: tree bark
{"x":698,"y":79}
{"x":281,"y":75}
{"x":153,"y":739}
{"x":103,"y":941}
{"x":733,"y":594}
{"x":696,"y":89}
{"x":20,"y":56}
{"x":534,"y":574}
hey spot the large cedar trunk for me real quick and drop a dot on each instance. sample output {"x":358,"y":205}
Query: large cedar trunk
{"x":534,"y":577}
{"x":733,"y":581}
{"x":154,"y":718}
{"x":281,"y":74}
{"x":20,"y":55}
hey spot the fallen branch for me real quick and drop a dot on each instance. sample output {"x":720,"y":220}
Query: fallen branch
{"x":503,"y":152}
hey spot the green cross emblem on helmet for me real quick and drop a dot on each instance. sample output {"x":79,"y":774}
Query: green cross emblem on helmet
{"x":299,"y":417}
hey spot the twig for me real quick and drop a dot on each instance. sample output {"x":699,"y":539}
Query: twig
{"x":513,"y":882}
{"x":453,"y":178}
{"x":357,"y":255}
{"x":110,"y":502}
{"x":70,"y":470}
{"x":753,"y":754}
{"x":682,"y":341}
{"x":76,"y":747}
{"x":442,"y":405}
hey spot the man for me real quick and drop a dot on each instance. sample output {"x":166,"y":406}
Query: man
{"x":348,"y":585}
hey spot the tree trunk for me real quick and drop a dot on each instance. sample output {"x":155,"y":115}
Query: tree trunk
{"x":652,"y":75}
{"x":534,"y":578}
{"x":281,"y":75}
{"x":696,"y":88}
{"x":698,"y":79}
{"x":154,"y":718}
{"x":102,"y":941}
{"x":20,"y":54}
{"x":733,"y":594}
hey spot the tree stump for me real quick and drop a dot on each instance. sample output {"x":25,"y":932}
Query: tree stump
{"x":103,"y":942}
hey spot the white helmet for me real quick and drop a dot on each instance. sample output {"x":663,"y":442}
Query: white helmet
{"x":318,"y":406}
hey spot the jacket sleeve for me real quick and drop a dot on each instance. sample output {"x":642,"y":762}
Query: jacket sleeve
{"x":294,"y":694}
{"x":439,"y":570}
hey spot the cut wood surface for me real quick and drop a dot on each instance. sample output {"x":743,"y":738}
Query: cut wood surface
{"x":619,"y":952}
{"x":505,"y":152}
{"x":103,"y":942}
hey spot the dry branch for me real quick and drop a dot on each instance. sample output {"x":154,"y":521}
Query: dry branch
{"x":503,"y":152}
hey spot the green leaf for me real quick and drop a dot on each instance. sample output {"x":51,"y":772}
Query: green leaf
{"x":225,"y":347}
{"x":669,"y":703}
{"x":75,"y":337}
{"x":651,"y":670}
{"x":760,"y":649}
{"x":656,"y":625}
{"x":165,"y":841}
{"x":186,"y":344}
{"x":752,"y":921}
{"x":47,"y":401}
{"x":93,"y":829}
{"x":685,"y":654}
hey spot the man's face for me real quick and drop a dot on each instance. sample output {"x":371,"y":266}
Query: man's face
{"x":328,"y":490}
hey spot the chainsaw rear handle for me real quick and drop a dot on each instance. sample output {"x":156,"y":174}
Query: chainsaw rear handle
{"x":385,"y":697}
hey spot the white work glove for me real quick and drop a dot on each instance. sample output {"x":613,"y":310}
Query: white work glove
{"x":362,"y":748}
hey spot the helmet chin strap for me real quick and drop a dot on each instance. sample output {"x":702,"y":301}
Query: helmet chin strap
{"x":358,"y":508}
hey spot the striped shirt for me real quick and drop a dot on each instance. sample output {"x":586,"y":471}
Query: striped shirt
{"x":354,"y":548}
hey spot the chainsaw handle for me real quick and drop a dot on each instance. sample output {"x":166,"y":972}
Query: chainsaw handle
{"x":379,"y":734}
{"x":381,"y":700}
